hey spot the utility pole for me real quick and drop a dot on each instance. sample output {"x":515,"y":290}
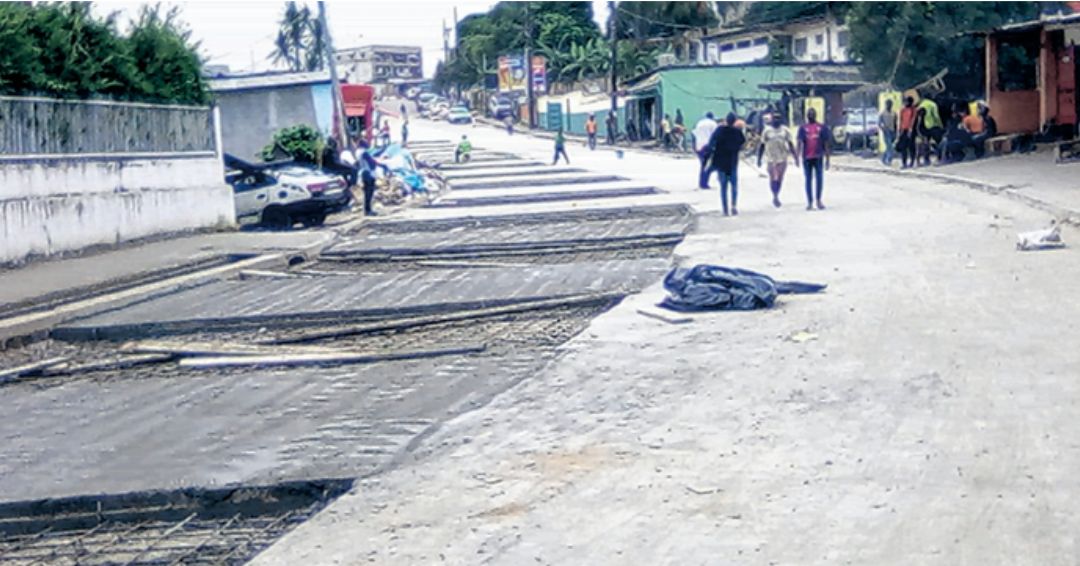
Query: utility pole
{"x":613,"y":23}
{"x":335,"y":86}
{"x":528,"y":66}
{"x":445,"y":43}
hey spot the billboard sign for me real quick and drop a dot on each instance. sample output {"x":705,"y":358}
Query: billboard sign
{"x":539,"y":73}
{"x":511,"y":73}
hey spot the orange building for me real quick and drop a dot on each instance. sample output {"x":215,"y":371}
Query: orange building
{"x":1031,"y":73}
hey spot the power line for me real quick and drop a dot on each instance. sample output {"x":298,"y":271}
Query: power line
{"x":655,"y":22}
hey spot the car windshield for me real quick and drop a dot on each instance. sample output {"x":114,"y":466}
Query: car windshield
{"x":459,"y":110}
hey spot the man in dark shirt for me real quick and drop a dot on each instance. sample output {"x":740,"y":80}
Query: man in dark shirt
{"x":724,"y":147}
{"x":814,"y":142}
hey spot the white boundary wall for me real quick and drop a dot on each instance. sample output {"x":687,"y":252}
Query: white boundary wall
{"x":59,"y":202}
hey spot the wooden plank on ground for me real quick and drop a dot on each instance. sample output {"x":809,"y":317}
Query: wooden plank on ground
{"x":427,"y":320}
{"x":122,"y":362}
{"x":218,"y":349}
{"x":322,"y":359}
{"x":14,"y":373}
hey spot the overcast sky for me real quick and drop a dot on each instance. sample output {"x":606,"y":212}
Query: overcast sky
{"x":241,"y":34}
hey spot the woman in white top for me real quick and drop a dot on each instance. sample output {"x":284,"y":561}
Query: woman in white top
{"x":775,"y":147}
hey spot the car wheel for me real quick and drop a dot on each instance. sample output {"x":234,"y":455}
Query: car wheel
{"x":277,"y":219}
{"x":314,"y":220}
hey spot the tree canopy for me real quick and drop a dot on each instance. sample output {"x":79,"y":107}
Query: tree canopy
{"x":300,"y":43}
{"x":933,"y":36}
{"x":62,"y":50}
{"x":646,"y":20}
{"x":565,"y":33}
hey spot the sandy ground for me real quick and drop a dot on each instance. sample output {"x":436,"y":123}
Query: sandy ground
{"x":926,"y":418}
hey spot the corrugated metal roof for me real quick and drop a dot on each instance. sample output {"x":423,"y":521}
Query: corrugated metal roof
{"x":1049,"y":22}
{"x":253,"y":82}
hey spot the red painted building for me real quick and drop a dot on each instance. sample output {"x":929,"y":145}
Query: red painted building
{"x":1031,"y":73}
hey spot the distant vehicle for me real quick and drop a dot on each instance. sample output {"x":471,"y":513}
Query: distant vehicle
{"x":459,"y":115}
{"x":425,"y":98}
{"x":281,"y":194}
{"x":859,"y":128}
{"x":499,"y":108}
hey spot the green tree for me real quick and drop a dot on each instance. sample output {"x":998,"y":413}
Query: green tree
{"x":299,"y":44}
{"x":483,"y":38}
{"x":908,"y":42}
{"x":161,"y":47}
{"x":21,"y":70}
{"x":62,"y":50}
{"x":647,"y":20}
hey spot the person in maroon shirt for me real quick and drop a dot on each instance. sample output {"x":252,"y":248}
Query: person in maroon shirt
{"x":814,"y":142}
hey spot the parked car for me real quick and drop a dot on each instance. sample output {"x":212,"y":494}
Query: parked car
{"x":281,"y":194}
{"x":424,"y":98}
{"x":860,"y":128}
{"x":459,"y":115}
{"x":499,"y":107}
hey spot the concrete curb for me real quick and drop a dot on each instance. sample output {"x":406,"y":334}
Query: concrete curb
{"x":1064,"y":215}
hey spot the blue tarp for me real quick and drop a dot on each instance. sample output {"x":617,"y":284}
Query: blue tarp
{"x":712,"y":287}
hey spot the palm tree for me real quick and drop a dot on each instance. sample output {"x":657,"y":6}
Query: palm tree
{"x":299,"y":43}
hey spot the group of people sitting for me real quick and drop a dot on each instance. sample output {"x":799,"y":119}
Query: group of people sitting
{"x":919,"y":133}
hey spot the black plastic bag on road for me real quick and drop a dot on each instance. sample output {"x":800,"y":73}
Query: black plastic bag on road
{"x":712,"y":287}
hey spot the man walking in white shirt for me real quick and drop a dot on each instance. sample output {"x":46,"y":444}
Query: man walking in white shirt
{"x":703,"y":132}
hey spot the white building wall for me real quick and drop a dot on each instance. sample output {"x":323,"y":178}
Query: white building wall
{"x":819,"y":39}
{"x":50,"y":205}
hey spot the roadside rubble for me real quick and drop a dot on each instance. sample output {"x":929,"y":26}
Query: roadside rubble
{"x":1046,"y":239}
{"x":410,"y":178}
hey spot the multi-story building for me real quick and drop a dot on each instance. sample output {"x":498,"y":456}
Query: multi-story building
{"x":387,"y":65}
{"x":811,"y":40}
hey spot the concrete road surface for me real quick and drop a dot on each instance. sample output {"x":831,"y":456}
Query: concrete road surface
{"x":920,"y":411}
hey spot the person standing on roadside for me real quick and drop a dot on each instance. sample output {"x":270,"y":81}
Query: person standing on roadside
{"x":367,"y":166}
{"x":590,"y":130}
{"x":560,"y":148}
{"x":726,"y":143}
{"x":887,"y":123}
{"x":775,"y":146}
{"x":703,"y":132}
{"x":814,"y":141}
{"x":906,"y":143}
{"x":931,"y":128}
{"x":612,"y":124}
{"x":665,"y":131}
{"x":405,"y":131}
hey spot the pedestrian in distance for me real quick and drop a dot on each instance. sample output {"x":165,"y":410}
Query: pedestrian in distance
{"x":906,"y":142}
{"x":612,"y":124}
{"x":665,"y":131}
{"x":405,"y":131}
{"x":776,"y":145}
{"x":931,"y":129}
{"x":887,"y":124}
{"x":463,"y":150}
{"x":703,"y":132}
{"x":590,"y":130}
{"x":814,"y":142}
{"x":726,"y":144}
{"x":560,"y":147}
{"x":404,"y":110}
{"x":509,"y":122}
{"x":367,"y":166}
